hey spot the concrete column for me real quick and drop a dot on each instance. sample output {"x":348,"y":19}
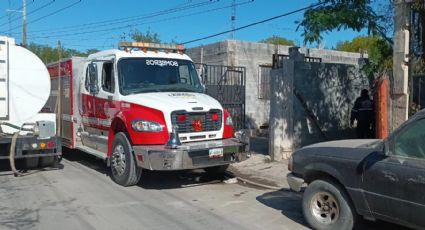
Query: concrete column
{"x":400,"y":98}
{"x":281,"y":111}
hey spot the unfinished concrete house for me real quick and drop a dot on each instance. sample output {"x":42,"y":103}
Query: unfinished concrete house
{"x":251,"y":63}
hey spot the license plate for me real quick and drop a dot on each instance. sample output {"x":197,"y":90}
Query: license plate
{"x":215,"y":153}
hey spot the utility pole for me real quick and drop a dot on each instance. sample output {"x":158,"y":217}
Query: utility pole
{"x":24,"y":23}
{"x":9,"y":18}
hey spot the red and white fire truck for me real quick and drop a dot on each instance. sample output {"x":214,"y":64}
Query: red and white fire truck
{"x":143,"y":106}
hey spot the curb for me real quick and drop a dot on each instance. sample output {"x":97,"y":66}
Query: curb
{"x":250,"y":182}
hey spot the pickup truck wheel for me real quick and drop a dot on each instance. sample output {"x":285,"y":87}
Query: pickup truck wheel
{"x":216,"y":169}
{"x":325,"y":205}
{"x":124,"y":170}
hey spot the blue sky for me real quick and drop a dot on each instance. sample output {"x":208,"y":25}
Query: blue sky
{"x":102,"y":23}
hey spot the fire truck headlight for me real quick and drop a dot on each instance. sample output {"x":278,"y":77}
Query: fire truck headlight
{"x":146,"y":126}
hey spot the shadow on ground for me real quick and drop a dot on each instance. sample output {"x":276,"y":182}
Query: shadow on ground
{"x":289,"y":203}
{"x":150,"y":179}
{"x":5,"y":169}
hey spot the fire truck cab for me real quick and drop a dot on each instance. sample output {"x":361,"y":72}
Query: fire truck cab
{"x":143,"y":106}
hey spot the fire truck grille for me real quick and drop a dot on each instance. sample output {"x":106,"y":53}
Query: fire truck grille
{"x":197,"y":121}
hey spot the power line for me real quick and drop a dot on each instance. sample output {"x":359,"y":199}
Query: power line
{"x":255,"y":23}
{"x":53,"y":13}
{"x":31,"y":12}
{"x":17,"y":10}
{"x":126,"y":19}
{"x":142,"y":23}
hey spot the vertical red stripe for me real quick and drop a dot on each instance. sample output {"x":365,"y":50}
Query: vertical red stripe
{"x":228,"y":130}
{"x":71,"y":94}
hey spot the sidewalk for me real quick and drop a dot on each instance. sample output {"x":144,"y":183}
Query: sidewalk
{"x":260,"y":171}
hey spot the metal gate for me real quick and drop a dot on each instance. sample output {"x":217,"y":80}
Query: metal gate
{"x":417,"y":54}
{"x":418,"y":93}
{"x":227,"y":85}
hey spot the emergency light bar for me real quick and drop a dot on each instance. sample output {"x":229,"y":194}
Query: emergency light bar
{"x":145,"y":46}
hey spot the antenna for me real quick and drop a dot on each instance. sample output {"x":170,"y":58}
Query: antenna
{"x":233,"y":19}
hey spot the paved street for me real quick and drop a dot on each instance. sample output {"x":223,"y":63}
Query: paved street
{"x":82,"y":196}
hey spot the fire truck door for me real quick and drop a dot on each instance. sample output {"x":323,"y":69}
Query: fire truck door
{"x":105,"y":107}
{"x":88,"y":111}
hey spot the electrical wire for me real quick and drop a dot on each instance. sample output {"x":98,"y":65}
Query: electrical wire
{"x":125,"y":19}
{"x":29,"y":13}
{"x":254,"y":24}
{"x":50,"y":14}
{"x":142,"y":23}
{"x":17,"y":10}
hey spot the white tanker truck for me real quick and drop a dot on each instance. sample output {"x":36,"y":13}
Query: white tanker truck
{"x":25,"y":133}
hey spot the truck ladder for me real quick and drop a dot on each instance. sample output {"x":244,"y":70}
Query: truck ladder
{"x":4,"y":78}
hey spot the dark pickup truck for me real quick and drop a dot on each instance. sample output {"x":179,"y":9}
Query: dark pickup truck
{"x":376,"y":179}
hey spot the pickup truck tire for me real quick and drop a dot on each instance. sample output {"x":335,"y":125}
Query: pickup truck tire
{"x":326,"y":205}
{"x":216,"y":170}
{"x":124,"y":170}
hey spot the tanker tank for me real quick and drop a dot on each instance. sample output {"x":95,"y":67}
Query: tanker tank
{"x":24,"y":84}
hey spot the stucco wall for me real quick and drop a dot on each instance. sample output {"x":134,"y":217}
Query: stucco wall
{"x":320,"y":108}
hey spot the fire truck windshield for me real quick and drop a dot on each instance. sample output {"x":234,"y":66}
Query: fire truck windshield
{"x":142,"y":75}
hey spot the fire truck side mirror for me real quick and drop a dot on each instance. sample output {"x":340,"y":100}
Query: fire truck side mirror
{"x":202,"y":73}
{"x":93,"y":76}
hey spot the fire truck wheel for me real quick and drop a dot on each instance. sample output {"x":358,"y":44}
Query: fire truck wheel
{"x":124,"y":170}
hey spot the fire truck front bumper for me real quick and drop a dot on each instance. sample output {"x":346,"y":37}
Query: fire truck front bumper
{"x":190,"y":155}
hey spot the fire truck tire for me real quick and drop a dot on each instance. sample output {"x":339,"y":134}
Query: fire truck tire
{"x":124,"y":170}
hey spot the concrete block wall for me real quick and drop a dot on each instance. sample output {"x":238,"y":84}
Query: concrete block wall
{"x":281,"y":127}
{"x":326,"y":90}
{"x":329,"y":90}
{"x":251,"y":55}
{"x":213,"y":54}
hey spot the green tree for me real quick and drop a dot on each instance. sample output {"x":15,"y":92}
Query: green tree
{"x":346,"y":14}
{"x":50,"y":54}
{"x":91,"y":51}
{"x":147,"y":36}
{"x":378,"y":49}
{"x":276,"y":40}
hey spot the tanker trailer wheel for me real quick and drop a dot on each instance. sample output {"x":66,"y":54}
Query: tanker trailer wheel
{"x":48,"y":161}
{"x":124,"y":170}
{"x":31,"y":162}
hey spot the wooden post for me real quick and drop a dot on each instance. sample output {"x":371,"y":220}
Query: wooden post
{"x":381,"y":109}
